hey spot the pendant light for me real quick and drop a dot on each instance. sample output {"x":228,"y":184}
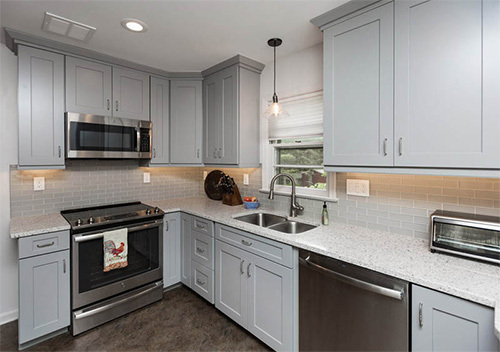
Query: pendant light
{"x":275,"y":110}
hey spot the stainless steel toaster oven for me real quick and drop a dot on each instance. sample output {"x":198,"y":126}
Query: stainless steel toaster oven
{"x":468,"y":235}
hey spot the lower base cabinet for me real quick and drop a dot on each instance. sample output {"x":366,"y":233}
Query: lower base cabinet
{"x":441,"y":322}
{"x":171,"y":249}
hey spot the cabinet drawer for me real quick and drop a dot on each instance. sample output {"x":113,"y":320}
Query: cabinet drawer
{"x":202,"y":226}
{"x":202,"y":249}
{"x":277,"y":252}
{"x":41,"y":244}
{"x":202,"y":281}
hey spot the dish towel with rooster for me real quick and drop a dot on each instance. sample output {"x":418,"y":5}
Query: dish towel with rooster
{"x":115,"y":249}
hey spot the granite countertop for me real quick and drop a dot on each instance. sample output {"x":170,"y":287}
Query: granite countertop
{"x":395,"y":255}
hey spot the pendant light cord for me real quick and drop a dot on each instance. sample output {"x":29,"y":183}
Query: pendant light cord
{"x":274,"y":70}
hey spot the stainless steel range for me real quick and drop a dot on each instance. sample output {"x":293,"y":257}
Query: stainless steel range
{"x":98,"y":296}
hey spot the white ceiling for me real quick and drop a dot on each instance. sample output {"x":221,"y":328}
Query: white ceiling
{"x":183,"y":35}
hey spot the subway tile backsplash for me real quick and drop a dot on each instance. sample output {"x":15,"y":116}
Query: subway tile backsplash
{"x":398,"y":203}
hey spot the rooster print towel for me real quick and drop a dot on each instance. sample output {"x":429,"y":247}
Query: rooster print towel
{"x":115,"y":249}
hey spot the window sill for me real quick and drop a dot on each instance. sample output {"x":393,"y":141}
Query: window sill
{"x":303,"y":196}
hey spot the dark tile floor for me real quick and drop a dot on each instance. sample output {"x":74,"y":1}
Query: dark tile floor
{"x":182,"y":321}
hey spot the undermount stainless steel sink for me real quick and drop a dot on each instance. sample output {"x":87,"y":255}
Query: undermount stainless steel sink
{"x":292,"y":227}
{"x":261,"y":219}
{"x":276,"y":222}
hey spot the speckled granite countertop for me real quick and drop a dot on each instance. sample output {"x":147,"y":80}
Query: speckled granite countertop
{"x":396,"y":255}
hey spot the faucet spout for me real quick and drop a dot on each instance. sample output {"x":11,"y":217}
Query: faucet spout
{"x":294,"y":205}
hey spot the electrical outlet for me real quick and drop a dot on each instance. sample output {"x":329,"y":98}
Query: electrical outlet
{"x":38,"y":183}
{"x":358,"y":188}
{"x":246,"y":179}
{"x":146,"y":177}
{"x":205,"y":173}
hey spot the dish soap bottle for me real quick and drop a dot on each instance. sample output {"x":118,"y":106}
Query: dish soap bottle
{"x":324,"y":215}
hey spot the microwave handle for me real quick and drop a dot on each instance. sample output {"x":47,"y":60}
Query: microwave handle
{"x":138,"y":131}
{"x":85,"y":238}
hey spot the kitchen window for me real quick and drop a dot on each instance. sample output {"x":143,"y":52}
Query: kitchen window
{"x":294,"y":145}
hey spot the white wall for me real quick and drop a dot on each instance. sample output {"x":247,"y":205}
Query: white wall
{"x":8,"y":155}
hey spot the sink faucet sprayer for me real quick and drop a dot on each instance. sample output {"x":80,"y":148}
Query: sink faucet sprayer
{"x":294,"y":206}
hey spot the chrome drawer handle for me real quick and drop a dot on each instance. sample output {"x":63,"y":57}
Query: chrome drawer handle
{"x":200,"y":226}
{"x":385,"y":147}
{"x":400,"y":146}
{"x":200,"y":250}
{"x":246,"y":243}
{"x":45,"y":245}
{"x":248,"y":270}
{"x":420,"y":314}
{"x":241,"y":267}
{"x":200,"y":282}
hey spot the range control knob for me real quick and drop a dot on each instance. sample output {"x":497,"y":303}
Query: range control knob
{"x":91,"y":220}
{"x":148,"y":211}
{"x":157,"y":210}
{"x":79,"y":222}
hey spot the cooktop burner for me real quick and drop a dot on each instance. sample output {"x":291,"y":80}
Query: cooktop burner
{"x":110,"y":214}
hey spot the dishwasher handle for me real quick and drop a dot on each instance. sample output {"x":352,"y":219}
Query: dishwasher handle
{"x":399,"y":295}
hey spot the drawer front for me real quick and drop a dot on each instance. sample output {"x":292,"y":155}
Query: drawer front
{"x":42,"y":244}
{"x":277,"y":252}
{"x":202,"y":281}
{"x":202,"y":249}
{"x":202,"y":226}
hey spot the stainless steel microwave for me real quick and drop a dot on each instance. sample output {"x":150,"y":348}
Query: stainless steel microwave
{"x":106,"y":137}
{"x":468,"y":235}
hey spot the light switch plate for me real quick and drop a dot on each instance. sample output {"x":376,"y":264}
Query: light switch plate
{"x":358,"y":188}
{"x":38,"y":183}
{"x":146,"y":177}
{"x":246,"y":179}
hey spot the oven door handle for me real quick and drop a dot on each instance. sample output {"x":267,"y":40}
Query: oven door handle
{"x":84,"y":238}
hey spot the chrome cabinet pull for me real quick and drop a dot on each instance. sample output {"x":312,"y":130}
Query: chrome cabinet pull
{"x":166,"y":225}
{"x":385,"y":147}
{"x":215,"y":153}
{"x":400,"y":146}
{"x":246,"y":243}
{"x":248,"y":269}
{"x":200,"y":250}
{"x":200,"y":282}
{"x":107,"y":104}
{"x":154,"y":152}
{"x":59,"y":150}
{"x":200,"y":226}
{"x":64,"y":266}
{"x":219,"y":153}
{"x":420,"y":314}
{"x":241,"y":267}
{"x":45,"y":245}
{"x":116,"y":105}
{"x":198,"y":153}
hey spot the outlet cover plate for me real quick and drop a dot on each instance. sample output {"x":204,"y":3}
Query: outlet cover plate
{"x":38,"y":183}
{"x":146,"y":177}
{"x":359,"y":188}
{"x":246,"y":179}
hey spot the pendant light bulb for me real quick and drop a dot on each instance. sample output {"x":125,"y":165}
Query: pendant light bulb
{"x":275,"y":110}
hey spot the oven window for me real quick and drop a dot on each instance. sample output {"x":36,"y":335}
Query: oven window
{"x":97,"y":137}
{"x":143,"y":256}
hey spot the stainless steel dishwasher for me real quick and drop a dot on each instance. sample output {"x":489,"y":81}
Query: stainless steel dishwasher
{"x":343,"y":307}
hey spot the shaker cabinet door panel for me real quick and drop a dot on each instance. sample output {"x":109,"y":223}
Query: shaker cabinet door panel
{"x":41,"y":108}
{"x":447,"y":77}
{"x":171,"y":250}
{"x":212,"y":110}
{"x":228,"y":138}
{"x":88,"y":87}
{"x":130,"y":94}
{"x":358,"y":91}
{"x":160,"y":117}
{"x":186,"y":249}
{"x":44,"y":295}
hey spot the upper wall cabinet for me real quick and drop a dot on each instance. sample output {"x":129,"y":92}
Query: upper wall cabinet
{"x":160,"y":117}
{"x":130,"y":94}
{"x":232,"y":113}
{"x":185,"y":122}
{"x":88,"y":87}
{"x":41,"y":108}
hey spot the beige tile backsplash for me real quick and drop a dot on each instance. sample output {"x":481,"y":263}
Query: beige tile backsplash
{"x":398,"y":203}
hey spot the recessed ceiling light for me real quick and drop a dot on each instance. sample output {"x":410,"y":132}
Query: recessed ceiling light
{"x":134,"y":25}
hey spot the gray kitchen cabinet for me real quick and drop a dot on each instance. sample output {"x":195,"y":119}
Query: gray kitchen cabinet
{"x":41,"y":108}
{"x":441,"y":322}
{"x":358,"y":90}
{"x":130,"y":94}
{"x":185,"y":227}
{"x":160,"y":117}
{"x":232,"y":116}
{"x":88,"y":87}
{"x":447,"y":84}
{"x":186,"y":120}
{"x":44,"y":295}
{"x":171,"y":249}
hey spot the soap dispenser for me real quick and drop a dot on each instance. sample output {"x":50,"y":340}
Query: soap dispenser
{"x":324,"y":215}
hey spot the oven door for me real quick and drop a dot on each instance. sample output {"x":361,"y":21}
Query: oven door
{"x":145,"y":257}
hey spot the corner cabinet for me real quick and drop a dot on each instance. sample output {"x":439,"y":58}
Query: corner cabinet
{"x":231,"y":105}
{"x":171,"y":249}
{"x":445,"y":111}
{"x":41,"y":108}
{"x":160,"y":117}
{"x":186,"y":121}
{"x":445,"y":323}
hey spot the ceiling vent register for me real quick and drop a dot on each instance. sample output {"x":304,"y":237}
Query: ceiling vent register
{"x":68,"y":28}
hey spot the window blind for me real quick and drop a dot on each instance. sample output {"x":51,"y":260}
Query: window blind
{"x":306,"y":118}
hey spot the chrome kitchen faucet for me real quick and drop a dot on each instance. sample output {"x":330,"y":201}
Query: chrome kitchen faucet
{"x":294,"y":206}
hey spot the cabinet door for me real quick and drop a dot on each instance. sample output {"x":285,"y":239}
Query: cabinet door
{"x":230,"y":282}
{"x":270,"y":302}
{"x":160,"y":117}
{"x":130,"y":94}
{"x":447,"y":84}
{"x":88,"y":87}
{"x":212,"y":109}
{"x":186,"y":122}
{"x":41,"y":108}
{"x":449,"y":323}
{"x":186,"y":249}
{"x":358,"y":90}
{"x":44,"y":290}
{"x":228,"y":134}
{"x":171,"y":250}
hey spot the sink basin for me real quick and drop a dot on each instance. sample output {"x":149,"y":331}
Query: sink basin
{"x":292,"y":227}
{"x":262,"y":219}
